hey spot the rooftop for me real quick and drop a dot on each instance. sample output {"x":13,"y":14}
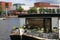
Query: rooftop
{"x":44,"y":4}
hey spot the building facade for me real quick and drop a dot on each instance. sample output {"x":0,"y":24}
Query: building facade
{"x":46,"y":6}
{"x":5,"y":5}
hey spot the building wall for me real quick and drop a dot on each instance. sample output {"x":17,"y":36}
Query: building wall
{"x":9,"y":5}
{"x":41,"y":4}
{"x":45,"y":6}
{"x":3,"y":4}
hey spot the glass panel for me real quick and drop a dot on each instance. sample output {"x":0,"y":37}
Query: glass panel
{"x":47,"y":25}
{"x":39,"y":24}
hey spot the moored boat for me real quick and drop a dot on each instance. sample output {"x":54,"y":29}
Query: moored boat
{"x":2,"y":18}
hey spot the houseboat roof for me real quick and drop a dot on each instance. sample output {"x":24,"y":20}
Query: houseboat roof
{"x":38,"y":15}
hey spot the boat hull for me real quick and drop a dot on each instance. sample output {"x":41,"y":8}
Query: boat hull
{"x":24,"y":37}
{"x":2,"y":18}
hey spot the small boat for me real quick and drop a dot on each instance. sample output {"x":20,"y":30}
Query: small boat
{"x":2,"y":18}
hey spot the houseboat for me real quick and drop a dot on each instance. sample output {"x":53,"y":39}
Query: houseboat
{"x":37,"y":26}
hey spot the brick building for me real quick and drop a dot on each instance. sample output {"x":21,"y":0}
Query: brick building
{"x":46,"y":5}
{"x":5,"y":5}
{"x":43,"y":4}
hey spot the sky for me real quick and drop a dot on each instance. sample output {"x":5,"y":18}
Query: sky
{"x":30,"y":2}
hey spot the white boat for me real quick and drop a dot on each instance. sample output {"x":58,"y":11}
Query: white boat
{"x":2,"y":18}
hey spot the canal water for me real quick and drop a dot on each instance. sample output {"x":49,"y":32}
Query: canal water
{"x":6,"y":26}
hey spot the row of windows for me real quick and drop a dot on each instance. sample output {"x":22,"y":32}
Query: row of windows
{"x":6,"y":5}
{"x":38,"y":23}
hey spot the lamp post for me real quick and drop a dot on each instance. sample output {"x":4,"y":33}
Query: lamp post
{"x":6,"y":12}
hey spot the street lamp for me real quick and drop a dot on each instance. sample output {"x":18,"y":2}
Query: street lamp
{"x":6,"y":11}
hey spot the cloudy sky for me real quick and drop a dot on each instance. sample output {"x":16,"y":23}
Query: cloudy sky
{"x":30,"y":2}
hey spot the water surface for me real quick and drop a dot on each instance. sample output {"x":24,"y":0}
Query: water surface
{"x":6,"y":26}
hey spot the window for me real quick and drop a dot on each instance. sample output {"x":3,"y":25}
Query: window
{"x":6,"y":5}
{"x":39,"y":23}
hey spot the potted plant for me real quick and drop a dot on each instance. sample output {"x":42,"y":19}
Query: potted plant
{"x":55,"y":29}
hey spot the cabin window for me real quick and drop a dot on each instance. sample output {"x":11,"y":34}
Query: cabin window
{"x":39,"y":24}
